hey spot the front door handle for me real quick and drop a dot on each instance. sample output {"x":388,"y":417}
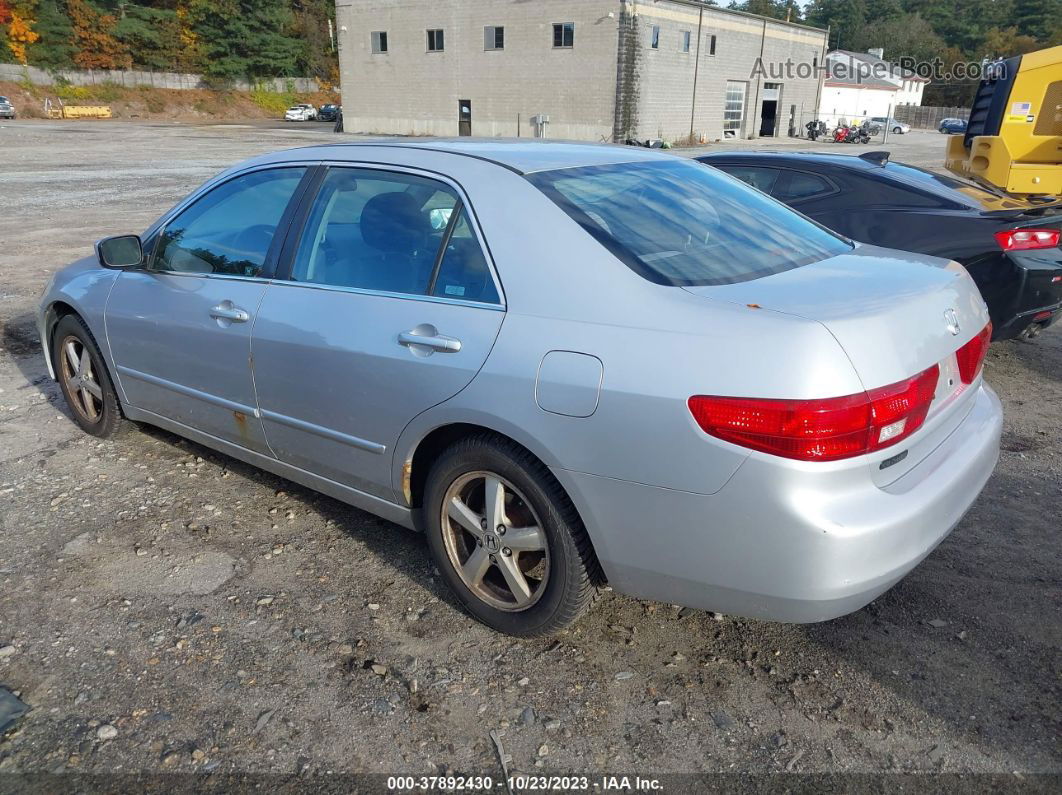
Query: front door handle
{"x":427,"y":336}
{"x":226,"y":311}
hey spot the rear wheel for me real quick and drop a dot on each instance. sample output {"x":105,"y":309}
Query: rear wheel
{"x":507,"y":539}
{"x":84,"y":379}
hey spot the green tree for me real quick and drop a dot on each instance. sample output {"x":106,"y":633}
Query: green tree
{"x":776,"y":9}
{"x":244,"y":38}
{"x":846,"y":20}
{"x":961,"y":23}
{"x":1039,"y":19}
{"x":904,"y":36}
{"x":152,"y":35}
{"x":54,"y":49}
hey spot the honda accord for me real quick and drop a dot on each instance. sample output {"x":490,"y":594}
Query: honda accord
{"x":567,"y":364}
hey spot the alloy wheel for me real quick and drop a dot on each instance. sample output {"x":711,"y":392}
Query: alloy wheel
{"x":79,"y":375}
{"x":495,"y":542}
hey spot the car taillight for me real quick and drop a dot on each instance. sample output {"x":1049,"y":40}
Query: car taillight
{"x":972,"y":355}
{"x":826,"y":429}
{"x":1027,"y":239}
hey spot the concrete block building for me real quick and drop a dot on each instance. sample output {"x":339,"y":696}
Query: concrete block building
{"x":601,"y":70}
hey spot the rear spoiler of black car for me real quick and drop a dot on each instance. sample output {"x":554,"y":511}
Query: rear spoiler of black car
{"x":877,"y":158}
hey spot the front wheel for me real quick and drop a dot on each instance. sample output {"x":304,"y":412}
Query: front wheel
{"x":506,"y":538}
{"x":898,"y":130}
{"x":84,"y":379}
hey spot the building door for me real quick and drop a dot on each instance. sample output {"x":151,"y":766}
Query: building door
{"x":464,"y":117}
{"x":734,"y":109}
{"x":769,"y":108}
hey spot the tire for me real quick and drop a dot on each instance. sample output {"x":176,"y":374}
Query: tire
{"x":549,"y":544}
{"x":898,"y":130}
{"x":96,"y":414}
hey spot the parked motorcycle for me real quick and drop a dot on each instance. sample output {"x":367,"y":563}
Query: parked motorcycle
{"x":859,"y":134}
{"x":816,"y":129}
{"x":854,"y":134}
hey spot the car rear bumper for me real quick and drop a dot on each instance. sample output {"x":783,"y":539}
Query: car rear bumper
{"x":786,"y":544}
{"x":1043,"y":316}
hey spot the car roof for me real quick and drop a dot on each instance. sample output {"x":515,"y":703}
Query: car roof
{"x":522,"y":155}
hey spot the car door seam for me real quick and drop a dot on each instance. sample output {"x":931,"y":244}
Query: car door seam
{"x":400,"y":492}
{"x":250,"y":367}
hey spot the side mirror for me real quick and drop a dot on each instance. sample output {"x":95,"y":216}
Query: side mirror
{"x":121,"y":251}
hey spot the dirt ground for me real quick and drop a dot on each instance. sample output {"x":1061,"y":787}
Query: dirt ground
{"x":166,"y":609}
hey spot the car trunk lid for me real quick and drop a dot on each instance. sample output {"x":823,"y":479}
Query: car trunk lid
{"x":895,"y":314}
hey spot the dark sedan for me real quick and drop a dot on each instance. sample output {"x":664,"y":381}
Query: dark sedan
{"x":328,"y":112}
{"x":1009,"y":245}
{"x":952,"y":126}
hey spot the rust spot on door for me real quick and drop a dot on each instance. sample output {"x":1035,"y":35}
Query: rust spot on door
{"x":241,"y":423}
{"x":407,"y":477}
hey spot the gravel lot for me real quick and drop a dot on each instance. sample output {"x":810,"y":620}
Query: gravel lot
{"x":164,"y":608}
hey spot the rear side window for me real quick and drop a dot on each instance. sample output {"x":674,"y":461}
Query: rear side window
{"x":757,"y":176}
{"x":392,"y":232}
{"x":801,"y":185}
{"x":676,"y":222}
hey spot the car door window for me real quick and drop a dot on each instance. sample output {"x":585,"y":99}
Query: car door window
{"x":231,"y":228}
{"x":384,"y":231}
{"x":463,"y":272}
{"x":801,"y":185}
{"x":758,"y":177}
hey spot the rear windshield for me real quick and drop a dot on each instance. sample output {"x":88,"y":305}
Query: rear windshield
{"x":957,"y":190}
{"x":680,"y":223}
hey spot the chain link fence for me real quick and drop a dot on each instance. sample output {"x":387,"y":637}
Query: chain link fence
{"x":837,"y":119}
{"x":928,"y":117}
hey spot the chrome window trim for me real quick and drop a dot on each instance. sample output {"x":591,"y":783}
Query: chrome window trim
{"x":473,"y":219}
{"x":226,"y":276}
{"x":434,"y":299}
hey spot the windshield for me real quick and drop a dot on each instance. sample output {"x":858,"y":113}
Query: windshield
{"x":4,"y":100}
{"x":681,"y":223}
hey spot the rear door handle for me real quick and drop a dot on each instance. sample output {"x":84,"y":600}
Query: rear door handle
{"x":226,"y":311}
{"x":427,"y":336}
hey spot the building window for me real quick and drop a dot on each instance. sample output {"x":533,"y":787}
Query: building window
{"x":656,"y":37}
{"x":685,"y":41}
{"x":493,"y":37}
{"x":435,"y":40}
{"x":734,"y":109}
{"x":563,"y":34}
{"x":379,"y":41}
{"x":711,"y":44}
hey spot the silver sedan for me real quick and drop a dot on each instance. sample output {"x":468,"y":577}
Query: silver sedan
{"x":567,"y":364}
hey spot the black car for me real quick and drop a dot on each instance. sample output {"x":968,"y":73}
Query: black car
{"x":1009,"y":245}
{"x":328,"y":112}
{"x":952,"y":126}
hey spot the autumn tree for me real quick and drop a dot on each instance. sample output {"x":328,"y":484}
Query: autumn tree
{"x":17,"y":20}
{"x":95,"y":44}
